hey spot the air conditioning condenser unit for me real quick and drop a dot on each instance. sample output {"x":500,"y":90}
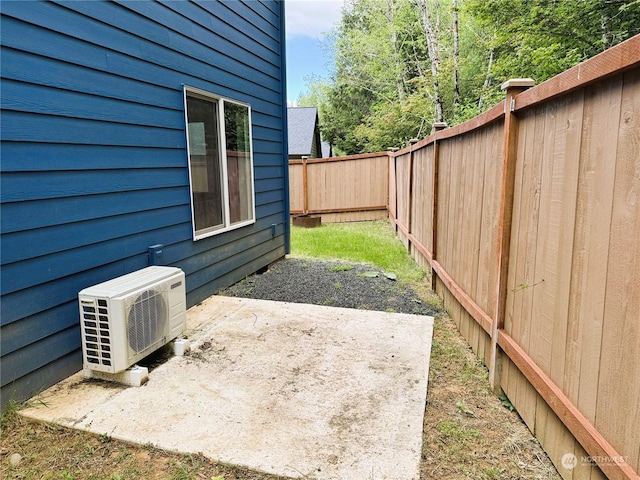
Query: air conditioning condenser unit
{"x":125,"y":319}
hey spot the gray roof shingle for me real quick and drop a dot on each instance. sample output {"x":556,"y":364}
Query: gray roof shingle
{"x":301,"y":124}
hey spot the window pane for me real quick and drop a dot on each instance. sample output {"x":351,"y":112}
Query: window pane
{"x":236,"y":119}
{"x":204,"y":162}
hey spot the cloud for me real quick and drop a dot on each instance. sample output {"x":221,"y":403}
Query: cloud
{"x":312,"y":18}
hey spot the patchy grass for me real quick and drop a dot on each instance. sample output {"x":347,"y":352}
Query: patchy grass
{"x":468,"y":431}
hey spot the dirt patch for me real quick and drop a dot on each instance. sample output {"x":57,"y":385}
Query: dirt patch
{"x":50,"y":452}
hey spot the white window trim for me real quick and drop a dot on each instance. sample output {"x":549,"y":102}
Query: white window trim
{"x":205,"y":233}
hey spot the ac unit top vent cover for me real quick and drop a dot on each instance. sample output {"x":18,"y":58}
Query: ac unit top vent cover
{"x":131,"y":282}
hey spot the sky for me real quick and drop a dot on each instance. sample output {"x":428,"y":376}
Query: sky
{"x":306,"y":22}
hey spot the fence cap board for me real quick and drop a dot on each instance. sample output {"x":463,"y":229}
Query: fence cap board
{"x":518,"y":82}
{"x":344,"y":158}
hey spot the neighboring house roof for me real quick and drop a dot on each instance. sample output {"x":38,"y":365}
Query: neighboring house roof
{"x":304,"y":131}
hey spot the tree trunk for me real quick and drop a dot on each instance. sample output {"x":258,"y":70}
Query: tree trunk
{"x":434,"y":55}
{"x":456,"y":57}
{"x":396,"y":53}
{"x":487,"y":79}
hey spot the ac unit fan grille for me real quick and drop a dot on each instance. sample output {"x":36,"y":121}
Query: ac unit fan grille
{"x":146,"y":320}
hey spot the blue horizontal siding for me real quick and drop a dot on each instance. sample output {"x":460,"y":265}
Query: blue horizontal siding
{"x":266,"y":147}
{"x":33,"y":328}
{"x":25,"y":360}
{"x":258,"y":43}
{"x":74,"y":25}
{"x":248,"y":18}
{"x":201,"y":293}
{"x":270,"y":196}
{"x":41,"y":269}
{"x":94,"y":161}
{"x":267,"y":171}
{"x":34,"y":157}
{"x":36,"y":298}
{"x":46,"y":43}
{"x":263,"y":185}
{"x":39,"y":70}
{"x":52,"y":372}
{"x":26,"y":215}
{"x":48,"y":240}
{"x":21,"y":186}
{"x":55,"y":129}
{"x":30,"y":98}
{"x":26,"y":67}
{"x":219,"y":34}
{"x":208,"y":274}
{"x":46,"y":297}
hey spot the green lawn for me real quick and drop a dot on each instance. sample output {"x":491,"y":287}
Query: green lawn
{"x":369,"y":242}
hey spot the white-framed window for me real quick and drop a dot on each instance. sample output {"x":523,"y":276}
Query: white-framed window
{"x":219,"y":146}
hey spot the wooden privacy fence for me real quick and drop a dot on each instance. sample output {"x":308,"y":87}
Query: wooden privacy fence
{"x":529,"y":217}
{"x":340,"y":188}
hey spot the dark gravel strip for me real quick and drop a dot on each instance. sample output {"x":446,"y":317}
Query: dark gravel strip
{"x":331,"y":283}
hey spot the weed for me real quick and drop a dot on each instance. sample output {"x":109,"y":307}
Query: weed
{"x":474,"y":371}
{"x":456,"y":432}
{"x":341,"y":268}
{"x":181,"y":473}
{"x":371,"y":274}
{"x":464,"y":409}
{"x":89,"y":450}
{"x":524,"y":286}
{"x":337,"y":285}
{"x":493,"y":472}
{"x":506,"y":403}
{"x":9,"y":415}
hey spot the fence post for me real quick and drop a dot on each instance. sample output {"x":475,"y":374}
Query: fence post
{"x":434,"y":217}
{"x":512,"y":87}
{"x":412,"y":142}
{"x":392,"y":153}
{"x":305,"y":189}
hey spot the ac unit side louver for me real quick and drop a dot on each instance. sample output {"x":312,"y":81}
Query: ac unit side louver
{"x":125,"y":319}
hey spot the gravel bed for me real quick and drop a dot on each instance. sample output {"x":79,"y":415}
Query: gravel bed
{"x":331,"y":283}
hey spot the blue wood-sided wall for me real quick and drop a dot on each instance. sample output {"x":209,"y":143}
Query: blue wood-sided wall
{"x":94,"y":161}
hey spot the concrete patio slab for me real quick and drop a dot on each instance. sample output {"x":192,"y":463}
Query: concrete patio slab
{"x":291,"y":389}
